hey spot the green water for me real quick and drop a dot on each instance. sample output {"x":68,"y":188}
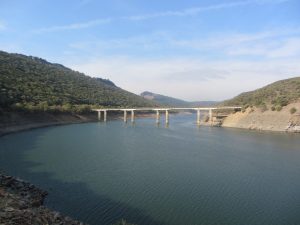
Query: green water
{"x":148,"y":175}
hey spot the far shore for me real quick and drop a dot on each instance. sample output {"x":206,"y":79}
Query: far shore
{"x":16,"y":122}
{"x":12,"y":122}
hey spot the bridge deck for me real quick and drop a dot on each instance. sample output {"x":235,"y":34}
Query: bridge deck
{"x":163,"y":109}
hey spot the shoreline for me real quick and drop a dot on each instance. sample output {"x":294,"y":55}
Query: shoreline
{"x":268,"y":120}
{"x":23,"y":203}
{"x":18,"y":122}
{"x":14,"y":122}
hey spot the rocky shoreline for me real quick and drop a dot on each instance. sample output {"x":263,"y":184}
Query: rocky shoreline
{"x":22,"y":203}
{"x":255,"y":119}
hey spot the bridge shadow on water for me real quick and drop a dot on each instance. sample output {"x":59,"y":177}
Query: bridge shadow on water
{"x":74,"y":199}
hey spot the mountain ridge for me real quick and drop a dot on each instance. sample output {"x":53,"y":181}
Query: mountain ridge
{"x":32,"y":83}
{"x":275,"y":95}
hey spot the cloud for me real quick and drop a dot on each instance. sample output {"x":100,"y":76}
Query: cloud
{"x":189,"y":78}
{"x":196,"y":10}
{"x":197,"y":74}
{"x":74,"y":26}
{"x":290,"y":47}
{"x":277,"y":43}
{"x":186,"y":12}
{"x":273,"y":47}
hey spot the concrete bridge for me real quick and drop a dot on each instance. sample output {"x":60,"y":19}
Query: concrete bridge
{"x":159,"y":110}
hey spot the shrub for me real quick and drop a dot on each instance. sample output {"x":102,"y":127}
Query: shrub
{"x":273,"y":108}
{"x":263,"y":107}
{"x":282,"y":101}
{"x":293,"y":110}
{"x":278,"y":108}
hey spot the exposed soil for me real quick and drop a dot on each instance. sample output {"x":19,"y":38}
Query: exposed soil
{"x":268,"y":120}
{"x":17,"y":121}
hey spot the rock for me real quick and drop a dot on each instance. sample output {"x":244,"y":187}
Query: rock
{"x":22,"y":203}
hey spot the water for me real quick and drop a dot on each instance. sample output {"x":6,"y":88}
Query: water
{"x":181,"y":175}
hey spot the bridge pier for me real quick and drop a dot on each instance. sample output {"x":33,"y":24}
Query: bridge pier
{"x":99,"y":115}
{"x":132,"y":116}
{"x":198,"y":117}
{"x":160,"y":110}
{"x":210,"y":116}
{"x":167,"y":116}
{"x":157,"y":117}
{"x":105,"y":115}
{"x":125,"y":116}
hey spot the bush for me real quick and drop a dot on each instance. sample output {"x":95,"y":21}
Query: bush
{"x":282,"y":101}
{"x":263,"y":107}
{"x":293,"y":110}
{"x":278,"y":108}
{"x":42,"y":106}
{"x":273,"y":108}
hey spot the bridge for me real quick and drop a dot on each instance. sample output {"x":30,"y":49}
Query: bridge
{"x":165,"y":110}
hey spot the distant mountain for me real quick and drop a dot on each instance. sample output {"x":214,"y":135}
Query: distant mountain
{"x":277,"y":94}
{"x":32,"y":83}
{"x":174,"y":102}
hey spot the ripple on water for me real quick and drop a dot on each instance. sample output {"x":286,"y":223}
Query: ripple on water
{"x":100,"y":173}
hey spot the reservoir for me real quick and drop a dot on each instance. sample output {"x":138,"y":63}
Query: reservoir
{"x":100,"y":173}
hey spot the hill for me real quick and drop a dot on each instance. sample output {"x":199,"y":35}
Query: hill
{"x":273,"y":107}
{"x":275,"y":95}
{"x":31,"y":83}
{"x":174,"y":102}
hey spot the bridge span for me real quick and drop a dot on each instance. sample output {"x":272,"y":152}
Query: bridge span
{"x":165,"y":110}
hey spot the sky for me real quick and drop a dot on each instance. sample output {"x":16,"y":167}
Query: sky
{"x":192,"y":49}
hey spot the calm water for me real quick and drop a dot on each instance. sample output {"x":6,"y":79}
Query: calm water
{"x":181,"y":175}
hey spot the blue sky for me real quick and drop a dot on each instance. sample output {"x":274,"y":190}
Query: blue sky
{"x":194,"y":50}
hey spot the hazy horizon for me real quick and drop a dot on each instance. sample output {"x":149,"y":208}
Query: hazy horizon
{"x":194,"y":51}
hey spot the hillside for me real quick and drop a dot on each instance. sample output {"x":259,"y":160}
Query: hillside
{"x":274,"y":107}
{"x":174,"y":102}
{"x":31,"y":83}
{"x":275,"y":95}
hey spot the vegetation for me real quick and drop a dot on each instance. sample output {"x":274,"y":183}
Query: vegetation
{"x":278,"y":95}
{"x":33,"y":84}
{"x":293,"y":110}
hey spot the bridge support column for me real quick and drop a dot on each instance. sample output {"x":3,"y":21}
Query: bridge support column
{"x":132,"y":116}
{"x":157,"y":117}
{"x":105,"y":115}
{"x":210,"y":117}
{"x":167,"y":116}
{"x":99,"y":115}
{"x":198,"y":117}
{"x":125,"y":116}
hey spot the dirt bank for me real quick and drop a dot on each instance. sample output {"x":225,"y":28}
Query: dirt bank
{"x":11,"y":122}
{"x":268,"y":120}
{"x":17,"y":121}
